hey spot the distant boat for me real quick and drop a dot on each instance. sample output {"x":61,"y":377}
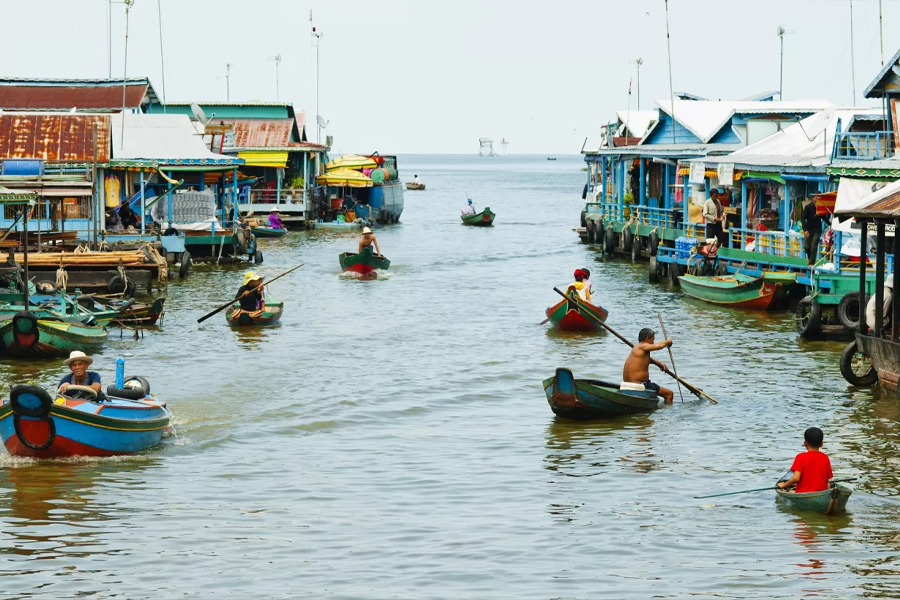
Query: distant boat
{"x":412,"y":185}
{"x":551,"y":158}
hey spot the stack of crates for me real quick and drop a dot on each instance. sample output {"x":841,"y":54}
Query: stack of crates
{"x":683,"y":246}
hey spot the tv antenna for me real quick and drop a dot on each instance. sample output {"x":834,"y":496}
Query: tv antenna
{"x":781,"y":33}
{"x":316,"y":36}
{"x":277,"y":60}
{"x":503,"y":144}
{"x":639,"y":61}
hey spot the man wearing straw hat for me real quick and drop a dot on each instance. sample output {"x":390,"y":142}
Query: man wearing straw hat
{"x":253,"y":301}
{"x":275,"y":219}
{"x":78,"y":363}
{"x":367,"y":240}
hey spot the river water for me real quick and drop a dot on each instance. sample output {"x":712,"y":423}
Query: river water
{"x":392,"y":439}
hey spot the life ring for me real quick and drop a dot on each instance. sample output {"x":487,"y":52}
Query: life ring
{"x":115,"y":285}
{"x":856,"y":367}
{"x":654,"y":270}
{"x":849,"y":309}
{"x":654,"y":243}
{"x":627,"y":238}
{"x":186,"y":262}
{"x":808,"y":317}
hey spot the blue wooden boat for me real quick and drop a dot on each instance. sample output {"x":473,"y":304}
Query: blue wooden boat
{"x":584,"y":399}
{"x":268,"y":232}
{"x":40,"y":424}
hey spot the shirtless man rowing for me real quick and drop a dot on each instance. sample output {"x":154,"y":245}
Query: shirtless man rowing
{"x":637,"y":365}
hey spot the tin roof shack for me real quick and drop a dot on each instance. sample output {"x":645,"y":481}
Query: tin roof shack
{"x":279,"y":163}
{"x":640,"y":181}
{"x":82,"y":95}
{"x":52,"y":156}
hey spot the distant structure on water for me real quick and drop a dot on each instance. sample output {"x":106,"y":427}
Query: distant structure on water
{"x":486,"y":147}
{"x":503,"y":144}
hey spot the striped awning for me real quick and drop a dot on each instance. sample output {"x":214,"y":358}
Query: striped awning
{"x":687,"y":171}
{"x":264,"y":158}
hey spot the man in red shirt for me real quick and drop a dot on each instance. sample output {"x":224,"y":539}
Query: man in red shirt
{"x":812,"y":469}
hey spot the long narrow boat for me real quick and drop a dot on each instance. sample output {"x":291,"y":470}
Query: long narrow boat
{"x":831,"y":501}
{"x":737,"y":290}
{"x":270,"y":314}
{"x":38,"y":424}
{"x":364,"y":263}
{"x":483,"y":219}
{"x":583,"y":399}
{"x":25,"y":335}
{"x":268,"y":232}
{"x":569,"y":315}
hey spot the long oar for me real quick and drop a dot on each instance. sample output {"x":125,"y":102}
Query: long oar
{"x":248,"y":292}
{"x":691,"y":388}
{"x":771,"y":487}
{"x":671,"y":356}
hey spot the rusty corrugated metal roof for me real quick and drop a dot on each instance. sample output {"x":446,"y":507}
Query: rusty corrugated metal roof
{"x":54,"y":137}
{"x":261,"y":133}
{"x":53,"y":94}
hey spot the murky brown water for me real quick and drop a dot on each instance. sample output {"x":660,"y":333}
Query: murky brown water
{"x":392,"y":439}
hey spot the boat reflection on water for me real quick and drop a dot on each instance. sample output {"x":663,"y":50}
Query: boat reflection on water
{"x":251,"y":337}
{"x":48,"y":506}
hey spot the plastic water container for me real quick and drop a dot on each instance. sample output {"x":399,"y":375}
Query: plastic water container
{"x":683,"y":246}
{"x":22,"y":167}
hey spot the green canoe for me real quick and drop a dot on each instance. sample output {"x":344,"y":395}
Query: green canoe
{"x":269,"y":315}
{"x":25,"y":335}
{"x":364,"y":263}
{"x":583,"y":399}
{"x":736,"y":291}
{"x":483,"y":219}
{"x":828,"y":502}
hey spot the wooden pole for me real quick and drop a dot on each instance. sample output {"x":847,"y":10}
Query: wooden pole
{"x":671,"y":356}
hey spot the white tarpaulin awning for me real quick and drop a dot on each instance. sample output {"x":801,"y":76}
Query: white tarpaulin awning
{"x":168,"y":139}
{"x":853,"y":193}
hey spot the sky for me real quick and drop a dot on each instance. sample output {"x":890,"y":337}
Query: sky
{"x":430,"y":76}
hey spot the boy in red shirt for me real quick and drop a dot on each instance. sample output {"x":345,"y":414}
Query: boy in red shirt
{"x":812,"y":469}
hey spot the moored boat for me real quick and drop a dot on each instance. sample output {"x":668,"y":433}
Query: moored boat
{"x":737,"y":290}
{"x":38,"y":424}
{"x":485,"y":218}
{"x":831,"y":501}
{"x":25,"y":335}
{"x":269,"y":314}
{"x":268,"y":232}
{"x":569,"y":315}
{"x":583,"y":399}
{"x":412,"y":185}
{"x":364,"y":263}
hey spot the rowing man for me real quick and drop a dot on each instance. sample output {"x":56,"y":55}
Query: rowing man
{"x":637,"y":365}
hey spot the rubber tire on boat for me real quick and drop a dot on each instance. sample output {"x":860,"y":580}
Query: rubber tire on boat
{"x":145,"y":385}
{"x":186,"y":262}
{"x":654,"y":270}
{"x":116,"y":286}
{"x":808,"y":317}
{"x":34,"y":327}
{"x":845,"y":309}
{"x":40,"y":393}
{"x":635,"y":248}
{"x":868,"y":378}
{"x":627,"y":238}
{"x":674,"y":272}
{"x":583,"y":218}
{"x":128,"y":394}
{"x":584,"y":192}
{"x":612,"y":240}
{"x":654,"y":243}
{"x":258,"y":257}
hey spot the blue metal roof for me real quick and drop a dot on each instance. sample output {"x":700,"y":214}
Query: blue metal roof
{"x":888,"y":66}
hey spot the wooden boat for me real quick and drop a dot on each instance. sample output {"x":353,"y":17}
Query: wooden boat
{"x":86,"y":309}
{"x":364,"y":263}
{"x":583,"y":399}
{"x":268,"y":232}
{"x":25,"y":335}
{"x":737,"y":290}
{"x":569,"y":315}
{"x":38,"y":424}
{"x":412,"y":185}
{"x":831,"y":501}
{"x":270,"y":314}
{"x":483,"y":219}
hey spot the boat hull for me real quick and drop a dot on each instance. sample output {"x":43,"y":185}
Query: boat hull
{"x":885,"y":357}
{"x":270,"y":315}
{"x":50,"y":338}
{"x":80,"y":428}
{"x":828,"y":502}
{"x":268,"y":232}
{"x":568,"y":315}
{"x":736,"y":291}
{"x":585,"y":399}
{"x":415,"y":186}
{"x":485,"y":218}
{"x":364,"y":263}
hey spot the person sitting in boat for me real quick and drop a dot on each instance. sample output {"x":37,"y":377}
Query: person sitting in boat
{"x":128,"y":218}
{"x":588,"y":286}
{"x":469,"y":208}
{"x":367,"y":240}
{"x":416,"y":180}
{"x":580,"y":286}
{"x":637,"y":365}
{"x":812,"y":469}
{"x":255,"y":300}
{"x":78,"y":362}
{"x":112,"y":220}
{"x":275,"y":219}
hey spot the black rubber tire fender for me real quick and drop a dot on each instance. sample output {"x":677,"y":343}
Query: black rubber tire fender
{"x":584,"y":192}
{"x":612,"y":240}
{"x":846,"y":308}
{"x":584,"y":218}
{"x":28,"y":316}
{"x":186,"y":262}
{"x":851,"y":355}
{"x":635,"y":248}
{"x":258,"y":257}
{"x":115,"y":285}
{"x":654,"y":270}
{"x":627,"y":238}
{"x":126,"y":393}
{"x":674,"y":272}
{"x":654,"y":243}
{"x":42,"y":410}
{"x":808,"y":317}
{"x":590,"y":235}
{"x":145,"y":385}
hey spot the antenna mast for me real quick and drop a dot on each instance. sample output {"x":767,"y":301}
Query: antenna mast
{"x":314,"y":41}
{"x":671,"y":92}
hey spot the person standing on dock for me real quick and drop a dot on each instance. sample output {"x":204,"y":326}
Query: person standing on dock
{"x":812,"y":469}
{"x":368,"y":240}
{"x":416,"y":180}
{"x":812,"y":230}
{"x":469,"y":208}
{"x":713,"y":215}
{"x":637,"y":365}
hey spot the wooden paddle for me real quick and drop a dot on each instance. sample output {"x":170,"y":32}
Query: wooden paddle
{"x":671,"y":356}
{"x":771,"y":487}
{"x":691,"y":388}
{"x":247,"y":293}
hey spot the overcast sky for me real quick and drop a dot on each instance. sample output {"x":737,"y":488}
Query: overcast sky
{"x":401,"y":76}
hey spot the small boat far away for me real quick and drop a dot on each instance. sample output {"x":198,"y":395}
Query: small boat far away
{"x":364,"y":263}
{"x":551,"y":158}
{"x":412,"y":185}
{"x":483,"y":219}
{"x":569,"y":315}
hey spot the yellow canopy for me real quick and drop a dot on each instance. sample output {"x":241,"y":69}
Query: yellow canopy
{"x":351,"y":161}
{"x":344,"y":177}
